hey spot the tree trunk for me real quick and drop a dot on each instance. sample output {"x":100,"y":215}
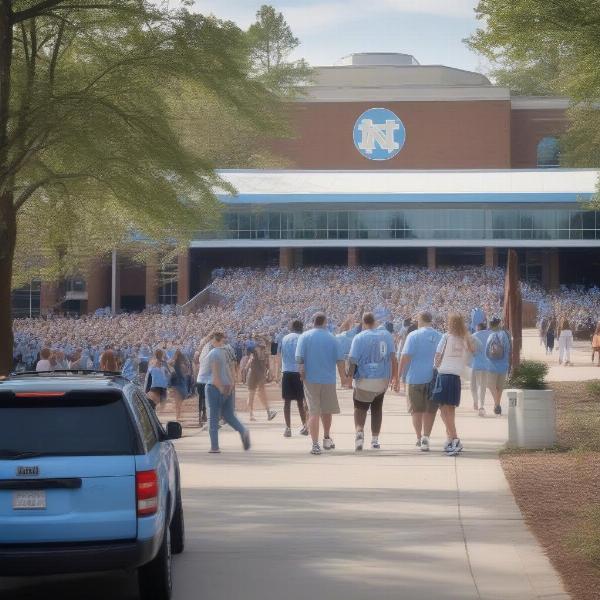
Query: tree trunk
{"x":8,"y":236}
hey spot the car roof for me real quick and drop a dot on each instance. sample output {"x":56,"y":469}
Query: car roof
{"x":63,"y":382}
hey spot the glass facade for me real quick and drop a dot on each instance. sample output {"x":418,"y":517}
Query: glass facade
{"x":433,"y":223}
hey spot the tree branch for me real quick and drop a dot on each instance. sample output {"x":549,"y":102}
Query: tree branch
{"x":35,"y":10}
{"x":34,"y":187}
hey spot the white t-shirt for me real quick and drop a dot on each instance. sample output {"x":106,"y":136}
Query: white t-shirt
{"x":203,"y":366}
{"x":43,"y":365}
{"x":456,"y":355}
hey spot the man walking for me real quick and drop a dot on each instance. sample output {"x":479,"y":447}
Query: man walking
{"x":498,"y":351}
{"x":291,"y":384}
{"x":372,"y":362}
{"x":317,"y":355}
{"x":416,"y":362}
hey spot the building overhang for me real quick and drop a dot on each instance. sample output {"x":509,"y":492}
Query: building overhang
{"x":497,"y":187}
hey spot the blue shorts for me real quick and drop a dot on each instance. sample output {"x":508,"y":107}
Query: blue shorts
{"x":447,"y":390}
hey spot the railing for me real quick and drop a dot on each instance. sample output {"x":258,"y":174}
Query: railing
{"x":207,"y":297}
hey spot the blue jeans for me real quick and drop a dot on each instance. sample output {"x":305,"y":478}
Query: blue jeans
{"x":220,"y":406}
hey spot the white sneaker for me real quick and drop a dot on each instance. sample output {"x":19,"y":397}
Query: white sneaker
{"x":482,"y":412}
{"x":303,"y":430}
{"x":316,"y":449}
{"x":271,"y":414}
{"x":455,"y":448}
{"x":424,"y":444}
{"x":418,"y":444}
{"x":328,"y":444}
{"x":287,"y":432}
{"x":375,"y":444}
{"x":447,"y":445}
{"x":359,"y":441}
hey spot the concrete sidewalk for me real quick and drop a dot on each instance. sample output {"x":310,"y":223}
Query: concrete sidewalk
{"x":278,"y":523}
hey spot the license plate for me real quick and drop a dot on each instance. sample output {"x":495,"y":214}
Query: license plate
{"x":29,"y":500}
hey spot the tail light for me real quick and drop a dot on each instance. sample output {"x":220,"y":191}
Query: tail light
{"x":146,"y":486}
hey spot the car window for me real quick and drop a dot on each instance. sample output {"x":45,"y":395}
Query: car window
{"x":148,"y":431}
{"x":74,"y":424}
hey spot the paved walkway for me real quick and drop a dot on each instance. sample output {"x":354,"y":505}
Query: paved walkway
{"x":279,"y":523}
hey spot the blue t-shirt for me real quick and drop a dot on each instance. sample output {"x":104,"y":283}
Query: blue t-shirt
{"x":218,"y":356}
{"x":344,"y":340}
{"x":372,"y":352}
{"x":421,"y":346}
{"x":500,"y":365}
{"x":319,"y":351}
{"x":477,"y":317}
{"x":480,"y":360}
{"x":287,"y":349}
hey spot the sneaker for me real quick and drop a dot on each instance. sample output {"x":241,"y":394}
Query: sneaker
{"x":328,"y":444}
{"x":246,"y":440}
{"x":375,"y":444}
{"x":303,"y":430}
{"x":424,"y":444}
{"x":447,"y":445}
{"x":497,"y":410}
{"x":287,"y":432}
{"x":214,"y":451}
{"x":316,"y":449}
{"x":482,"y":412}
{"x":359,"y":441}
{"x":271,"y":414}
{"x":418,"y":444}
{"x":252,"y":418}
{"x":455,"y":448}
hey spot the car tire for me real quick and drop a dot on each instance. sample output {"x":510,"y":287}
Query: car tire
{"x":155,"y":578}
{"x":178,"y":528}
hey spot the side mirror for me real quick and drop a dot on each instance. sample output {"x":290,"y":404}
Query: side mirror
{"x":174,"y":430}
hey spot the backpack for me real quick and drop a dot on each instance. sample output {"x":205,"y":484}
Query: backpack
{"x":494,"y":348}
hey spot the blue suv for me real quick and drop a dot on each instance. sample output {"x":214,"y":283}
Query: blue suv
{"x":89,"y":480}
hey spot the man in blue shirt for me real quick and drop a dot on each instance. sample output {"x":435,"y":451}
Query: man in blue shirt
{"x":291,"y":384}
{"x":317,"y":355}
{"x":498,"y":350}
{"x":479,"y":369}
{"x":416,"y":360}
{"x":372,"y":361}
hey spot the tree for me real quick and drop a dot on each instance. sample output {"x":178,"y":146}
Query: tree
{"x":555,"y":44}
{"x":529,"y":78}
{"x":90,"y":151}
{"x":271,"y":43}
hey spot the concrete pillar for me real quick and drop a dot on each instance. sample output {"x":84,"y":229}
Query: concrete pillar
{"x":48,"y":296}
{"x":98,"y":285}
{"x":298,"y":257}
{"x":286,"y":258}
{"x":183,"y":277}
{"x":491,"y":258}
{"x":353,"y":257}
{"x":151,"y":281}
{"x":431,"y":259}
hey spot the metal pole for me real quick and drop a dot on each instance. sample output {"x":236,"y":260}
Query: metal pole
{"x":113,"y":294}
{"x":30,"y":293}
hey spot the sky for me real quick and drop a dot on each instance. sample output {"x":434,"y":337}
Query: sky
{"x":431,"y":30}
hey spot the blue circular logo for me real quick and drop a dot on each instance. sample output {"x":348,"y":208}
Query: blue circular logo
{"x":379,"y":134}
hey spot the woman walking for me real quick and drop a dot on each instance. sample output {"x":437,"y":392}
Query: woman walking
{"x":256,"y":379}
{"x":179,"y":383}
{"x":453,"y":354}
{"x":550,"y":336}
{"x":157,"y":379}
{"x":565,"y":343}
{"x":219,"y":394}
{"x":596,"y":343}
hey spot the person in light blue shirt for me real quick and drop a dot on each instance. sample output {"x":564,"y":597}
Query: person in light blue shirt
{"x":498,"y":350}
{"x":477,"y":317}
{"x":291,"y":384}
{"x":416,"y":362}
{"x":372,"y":360}
{"x":318,"y":353}
{"x":480,"y":368}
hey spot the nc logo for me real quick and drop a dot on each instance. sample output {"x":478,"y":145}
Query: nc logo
{"x":379,"y":134}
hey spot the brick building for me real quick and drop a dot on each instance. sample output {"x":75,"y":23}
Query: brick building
{"x":391,"y":162}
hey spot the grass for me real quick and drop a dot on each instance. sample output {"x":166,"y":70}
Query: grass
{"x":585,"y":539}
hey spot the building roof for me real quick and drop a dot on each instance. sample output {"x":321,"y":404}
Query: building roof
{"x":494,"y":186}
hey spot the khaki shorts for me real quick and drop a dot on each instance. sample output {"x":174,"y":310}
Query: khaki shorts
{"x":419,"y":399}
{"x":496,"y":380}
{"x":321,"y":398}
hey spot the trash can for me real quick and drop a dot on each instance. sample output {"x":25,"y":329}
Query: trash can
{"x":531,"y":418}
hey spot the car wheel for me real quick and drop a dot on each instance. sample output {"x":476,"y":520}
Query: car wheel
{"x":178,"y":528}
{"x":154,"y":578}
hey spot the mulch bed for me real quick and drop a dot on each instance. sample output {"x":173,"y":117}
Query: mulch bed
{"x":555,"y":490}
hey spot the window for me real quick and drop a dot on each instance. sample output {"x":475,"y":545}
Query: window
{"x":148,"y":432}
{"x":167,"y":278}
{"x":548,"y":153}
